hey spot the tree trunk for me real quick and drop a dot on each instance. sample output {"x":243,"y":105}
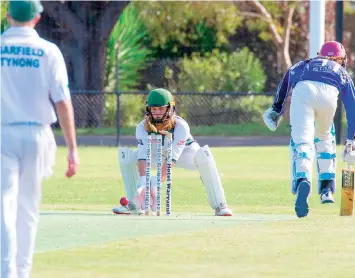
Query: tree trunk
{"x":280,"y":59}
{"x":286,"y":59}
{"x":78,"y":59}
{"x":281,"y":42}
{"x":96,"y":80}
{"x":84,"y":28}
{"x":286,"y":39}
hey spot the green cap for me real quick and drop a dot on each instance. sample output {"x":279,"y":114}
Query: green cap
{"x":160,"y":97}
{"x":23,"y":11}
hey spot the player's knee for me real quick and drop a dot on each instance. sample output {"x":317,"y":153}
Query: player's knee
{"x":302,"y":155}
{"x":203,"y":156}
{"x":325,"y":150}
{"x":302,"y":151}
{"x":126,"y":155}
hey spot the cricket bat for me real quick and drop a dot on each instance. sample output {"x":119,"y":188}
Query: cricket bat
{"x":347,"y":192}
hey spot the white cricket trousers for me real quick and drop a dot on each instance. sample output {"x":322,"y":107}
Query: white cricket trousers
{"x":312,"y":111}
{"x":27,"y":156}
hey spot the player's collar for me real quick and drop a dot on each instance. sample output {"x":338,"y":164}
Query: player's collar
{"x":21,"y":31}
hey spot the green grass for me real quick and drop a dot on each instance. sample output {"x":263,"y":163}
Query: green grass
{"x":247,"y":129}
{"x":256,"y":181}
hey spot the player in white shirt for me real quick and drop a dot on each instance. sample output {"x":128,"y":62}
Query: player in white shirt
{"x":33,"y":74}
{"x":186,"y":153}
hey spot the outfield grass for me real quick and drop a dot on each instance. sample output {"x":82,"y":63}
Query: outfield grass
{"x":256,"y":182}
{"x":247,"y":129}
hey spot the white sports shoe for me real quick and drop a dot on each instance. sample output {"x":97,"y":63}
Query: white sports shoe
{"x":223,"y":211}
{"x":326,"y":198}
{"x":129,"y":209}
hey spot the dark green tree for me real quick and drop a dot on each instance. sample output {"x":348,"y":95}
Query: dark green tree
{"x":81,"y":30}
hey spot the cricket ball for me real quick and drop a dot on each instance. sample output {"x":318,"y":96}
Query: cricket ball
{"x":124,"y":201}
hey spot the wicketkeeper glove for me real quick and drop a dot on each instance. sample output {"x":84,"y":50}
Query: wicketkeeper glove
{"x":272,"y":119}
{"x":349,"y":152}
{"x":139,"y":199}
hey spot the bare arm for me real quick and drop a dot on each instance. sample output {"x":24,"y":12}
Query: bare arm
{"x":66,"y":120}
{"x":141,"y":167}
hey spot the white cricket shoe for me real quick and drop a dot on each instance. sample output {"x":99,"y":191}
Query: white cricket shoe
{"x":127,"y":210}
{"x":326,"y":197}
{"x":223,"y":212}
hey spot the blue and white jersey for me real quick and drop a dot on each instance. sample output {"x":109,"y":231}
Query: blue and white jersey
{"x":320,"y":70}
{"x":33,"y":73}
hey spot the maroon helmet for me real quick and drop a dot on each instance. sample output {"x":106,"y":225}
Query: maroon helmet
{"x":333,"y":49}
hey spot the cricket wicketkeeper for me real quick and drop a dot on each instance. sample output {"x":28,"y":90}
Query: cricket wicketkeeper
{"x":186,"y":153}
{"x":316,"y":84}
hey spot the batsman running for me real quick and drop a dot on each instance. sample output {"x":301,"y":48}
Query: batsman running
{"x":186,"y":153}
{"x":316,"y":84}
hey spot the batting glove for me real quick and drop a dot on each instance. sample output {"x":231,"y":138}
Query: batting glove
{"x":272,"y":119}
{"x":349,"y":152}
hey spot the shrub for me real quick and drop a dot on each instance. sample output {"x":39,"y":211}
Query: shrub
{"x":222,"y":72}
{"x":127,"y":36}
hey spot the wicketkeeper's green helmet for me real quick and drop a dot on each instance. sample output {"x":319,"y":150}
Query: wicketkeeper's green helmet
{"x":160,"y":97}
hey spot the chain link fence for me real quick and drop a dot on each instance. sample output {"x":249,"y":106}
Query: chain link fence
{"x":118,"y":113}
{"x":116,"y":110}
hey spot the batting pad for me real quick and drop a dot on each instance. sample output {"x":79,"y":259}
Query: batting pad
{"x":210,"y":177}
{"x":301,"y":162}
{"x":326,"y":161}
{"x":129,"y":171}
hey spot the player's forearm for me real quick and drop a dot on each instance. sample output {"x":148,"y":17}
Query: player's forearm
{"x":349,"y":104}
{"x":141,"y":167}
{"x":66,"y":120}
{"x":282,"y":92}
